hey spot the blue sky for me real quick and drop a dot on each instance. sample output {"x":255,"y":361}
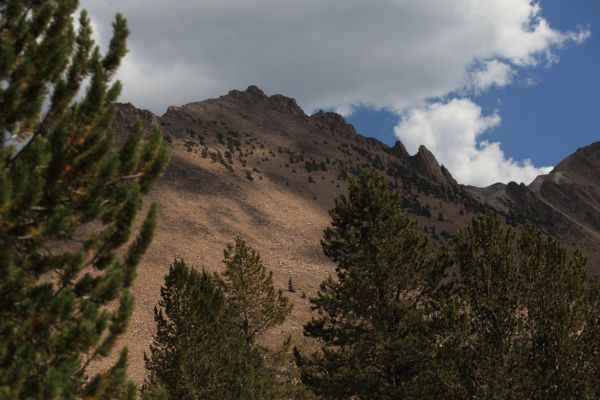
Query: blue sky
{"x":544,"y":121}
{"x":498,"y":90}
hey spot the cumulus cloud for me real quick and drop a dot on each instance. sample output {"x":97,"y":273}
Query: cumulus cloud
{"x":491,"y":73}
{"x":331,"y":54}
{"x":453,"y":131}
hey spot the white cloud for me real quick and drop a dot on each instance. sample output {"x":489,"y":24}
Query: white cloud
{"x":491,"y":73}
{"x":453,"y":132}
{"x":580,"y":36}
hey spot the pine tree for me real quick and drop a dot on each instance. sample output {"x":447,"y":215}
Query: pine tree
{"x":376,"y":317}
{"x":67,"y":203}
{"x":291,"y":287}
{"x":527,"y":318}
{"x":198,"y":351}
{"x":249,"y":285}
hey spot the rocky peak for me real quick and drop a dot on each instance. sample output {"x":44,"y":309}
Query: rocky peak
{"x":425,"y":163}
{"x":127,"y":111}
{"x":256,"y":92}
{"x":399,"y":150}
{"x":448,"y":176}
{"x":126,"y":114}
{"x":585,"y":163}
{"x":573,"y":188}
{"x":333,"y":121}
{"x":254,"y":95}
{"x":285,"y":104}
{"x":251,"y":93}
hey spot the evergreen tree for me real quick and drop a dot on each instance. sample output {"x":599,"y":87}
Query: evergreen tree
{"x":376,"y":318}
{"x":527,"y":319}
{"x":291,"y":287}
{"x":198,"y":351}
{"x":67,"y":203}
{"x":255,"y":302}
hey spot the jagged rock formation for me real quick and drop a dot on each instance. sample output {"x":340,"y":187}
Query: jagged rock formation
{"x":424,"y":163}
{"x":573,"y":187}
{"x":565,"y":202}
{"x":257,"y":166}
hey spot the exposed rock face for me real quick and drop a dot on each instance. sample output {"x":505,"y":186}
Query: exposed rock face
{"x":257,"y":166}
{"x":252,"y":94}
{"x":256,"y":92}
{"x":255,"y":96}
{"x":334,"y":122}
{"x":285,"y":104}
{"x":565,"y":202}
{"x":399,"y":150}
{"x":127,"y":112}
{"x":573,"y":187}
{"x":425,"y":163}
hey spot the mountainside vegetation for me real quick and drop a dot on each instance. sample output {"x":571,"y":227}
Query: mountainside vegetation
{"x":251,"y":165}
{"x":500,"y":314}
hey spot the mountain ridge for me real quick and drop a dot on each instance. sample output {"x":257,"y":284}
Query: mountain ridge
{"x":257,"y":166}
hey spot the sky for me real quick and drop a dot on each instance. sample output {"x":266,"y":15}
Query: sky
{"x":498,"y":90}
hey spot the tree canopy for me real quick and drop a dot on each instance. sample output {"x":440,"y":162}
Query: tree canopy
{"x":376,"y":317}
{"x":68,"y":201}
{"x":199,"y":352}
{"x":526,"y":317}
{"x":255,"y":302}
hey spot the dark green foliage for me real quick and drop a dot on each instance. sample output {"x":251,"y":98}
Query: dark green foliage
{"x":256,"y":304}
{"x":376,"y":318}
{"x":198,"y":351}
{"x":204,"y":344}
{"x":526,"y":318}
{"x":291,"y":287}
{"x":411,"y":204}
{"x":67,"y":204}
